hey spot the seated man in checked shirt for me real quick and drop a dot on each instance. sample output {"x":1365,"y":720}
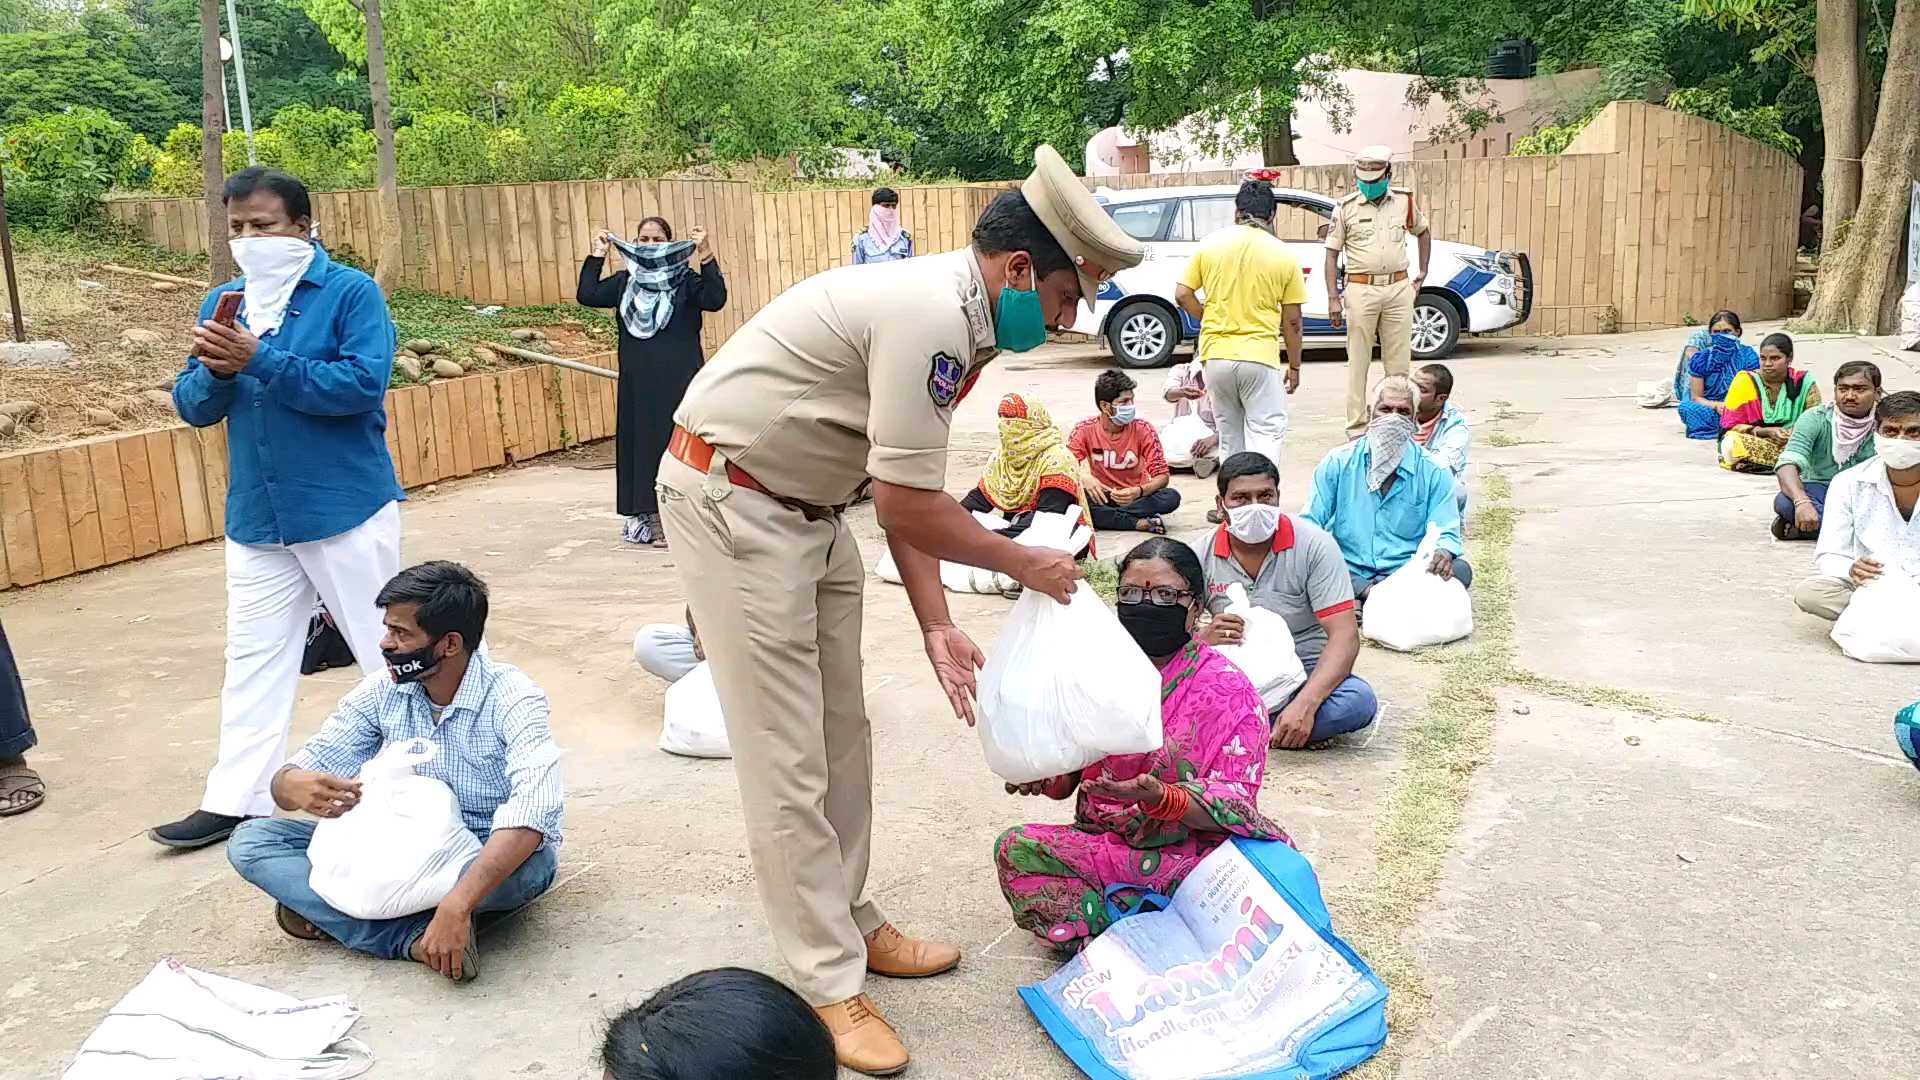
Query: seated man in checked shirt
{"x":489,"y":722}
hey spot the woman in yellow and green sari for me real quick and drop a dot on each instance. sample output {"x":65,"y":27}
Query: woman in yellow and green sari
{"x":1031,"y":470}
{"x":1761,"y":408}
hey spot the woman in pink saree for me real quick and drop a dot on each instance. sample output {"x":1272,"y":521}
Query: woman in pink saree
{"x":1144,"y":821}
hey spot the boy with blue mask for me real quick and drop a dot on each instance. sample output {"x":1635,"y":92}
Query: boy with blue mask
{"x":1123,"y":468}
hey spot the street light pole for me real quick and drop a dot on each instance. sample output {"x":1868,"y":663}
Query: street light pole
{"x":6,"y":266}
{"x":240,"y":77}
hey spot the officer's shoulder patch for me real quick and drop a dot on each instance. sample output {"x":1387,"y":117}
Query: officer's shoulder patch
{"x":1351,"y":196}
{"x":943,"y":379}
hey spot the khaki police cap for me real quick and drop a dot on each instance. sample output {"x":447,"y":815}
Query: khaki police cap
{"x":1372,"y":161}
{"x":1096,"y":245}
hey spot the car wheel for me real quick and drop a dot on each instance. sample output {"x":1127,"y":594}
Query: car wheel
{"x":1142,"y":335}
{"x":1436,"y":327}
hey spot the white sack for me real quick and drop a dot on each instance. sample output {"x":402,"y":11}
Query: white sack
{"x":401,"y":849}
{"x":1065,"y":686}
{"x":693,"y":725}
{"x":1413,"y":608}
{"x":1265,"y":653}
{"x":1179,"y":435}
{"x":1881,"y":624}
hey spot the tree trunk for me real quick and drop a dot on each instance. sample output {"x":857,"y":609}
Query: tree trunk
{"x":1276,"y":142}
{"x":1857,"y":280}
{"x":386,"y":263}
{"x":213,"y":84}
{"x":1837,"y":62}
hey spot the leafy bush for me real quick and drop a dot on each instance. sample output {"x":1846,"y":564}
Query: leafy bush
{"x":443,"y":147}
{"x":1761,"y":123}
{"x":329,"y":149}
{"x":589,"y":132}
{"x":509,"y":158}
{"x":60,"y":164}
{"x":176,"y":168}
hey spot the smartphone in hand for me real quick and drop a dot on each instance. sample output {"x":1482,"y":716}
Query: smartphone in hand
{"x":227,"y":308}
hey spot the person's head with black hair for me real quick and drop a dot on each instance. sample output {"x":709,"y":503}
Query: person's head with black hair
{"x":266,"y":202}
{"x":723,"y":1024}
{"x":436,"y":615}
{"x":1436,"y":386}
{"x":653,"y":229}
{"x":1113,"y":396}
{"x":1162,"y":591}
{"x":1856,"y":388}
{"x":1897,"y":418}
{"x":1254,"y":204}
{"x":1776,"y":359}
{"x":886,"y":196}
{"x":1249,"y":479}
{"x":1725,"y":322}
{"x":1016,"y":252}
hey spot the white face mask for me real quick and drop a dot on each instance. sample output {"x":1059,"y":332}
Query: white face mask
{"x":1123,"y":414}
{"x":1254,"y":523}
{"x":1899,"y":453}
{"x":272,"y":266}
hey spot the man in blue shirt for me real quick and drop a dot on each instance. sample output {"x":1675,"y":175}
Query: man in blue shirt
{"x":1444,"y":430}
{"x":1378,"y":494}
{"x":300,"y":377}
{"x":488,"y":725}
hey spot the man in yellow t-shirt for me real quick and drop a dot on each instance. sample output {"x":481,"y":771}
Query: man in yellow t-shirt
{"x":1254,"y":290}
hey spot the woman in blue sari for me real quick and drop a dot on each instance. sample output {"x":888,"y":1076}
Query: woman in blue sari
{"x":1707,"y":366}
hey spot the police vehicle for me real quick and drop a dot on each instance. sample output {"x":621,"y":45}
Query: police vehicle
{"x":1468,"y":290}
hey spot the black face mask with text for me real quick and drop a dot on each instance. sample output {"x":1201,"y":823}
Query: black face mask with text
{"x":1159,"y":631}
{"x":413,"y":665}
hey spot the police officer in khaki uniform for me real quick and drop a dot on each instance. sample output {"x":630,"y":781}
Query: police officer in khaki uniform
{"x":848,"y":377}
{"x":1371,"y":227}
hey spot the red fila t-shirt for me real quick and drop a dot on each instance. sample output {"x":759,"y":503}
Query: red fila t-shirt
{"x":1128,"y":458}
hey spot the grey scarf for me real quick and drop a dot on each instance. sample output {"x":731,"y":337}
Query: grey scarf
{"x":1387,"y":439}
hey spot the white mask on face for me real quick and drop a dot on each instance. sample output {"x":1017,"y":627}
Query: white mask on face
{"x":1899,"y":453}
{"x":1123,"y":414}
{"x":1254,"y":523}
{"x":272,"y":266}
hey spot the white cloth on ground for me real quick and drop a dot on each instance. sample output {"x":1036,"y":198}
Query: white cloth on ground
{"x":181,"y":1022}
{"x":270,"y":594}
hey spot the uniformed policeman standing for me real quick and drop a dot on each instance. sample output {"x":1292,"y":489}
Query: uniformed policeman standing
{"x":1371,"y":227}
{"x":848,"y":376}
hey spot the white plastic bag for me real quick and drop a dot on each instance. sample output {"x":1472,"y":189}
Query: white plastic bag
{"x":1265,"y":653}
{"x":1414,"y":608}
{"x":1065,"y":686}
{"x":1178,"y":437}
{"x":1654,"y":393}
{"x":1881,"y":624}
{"x":693,"y":725}
{"x":401,"y":849}
{"x":1059,"y":530}
{"x":1910,"y":318}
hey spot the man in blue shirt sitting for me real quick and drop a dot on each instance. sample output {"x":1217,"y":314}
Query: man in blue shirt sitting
{"x":489,"y":724}
{"x":300,"y":377}
{"x":1378,"y":494}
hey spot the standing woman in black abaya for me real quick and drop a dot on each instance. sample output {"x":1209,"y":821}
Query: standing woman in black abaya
{"x":660,"y":301}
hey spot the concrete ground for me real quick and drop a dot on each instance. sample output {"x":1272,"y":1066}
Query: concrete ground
{"x":1630,"y":895}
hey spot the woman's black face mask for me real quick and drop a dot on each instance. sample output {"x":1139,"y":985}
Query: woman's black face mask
{"x":1159,"y":631}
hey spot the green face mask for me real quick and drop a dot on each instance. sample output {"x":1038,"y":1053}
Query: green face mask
{"x":1018,"y":322}
{"x":1372,"y":189}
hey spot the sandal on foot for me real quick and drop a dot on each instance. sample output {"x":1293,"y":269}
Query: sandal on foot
{"x":296,"y":925}
{"x":1153,"y":526}
{"x":21,"y":789}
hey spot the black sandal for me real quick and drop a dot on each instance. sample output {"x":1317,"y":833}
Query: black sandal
{"x":21,"y":789}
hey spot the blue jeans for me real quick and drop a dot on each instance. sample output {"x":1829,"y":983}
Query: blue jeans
{"x":1350,"y":707}
{"x":1783,"y":506}
{"x":1364,"y":583}
{"x":272,"y":853}
{"x":1123,"y":518}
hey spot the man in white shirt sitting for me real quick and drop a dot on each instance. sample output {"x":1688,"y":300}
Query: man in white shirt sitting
{"x":1869,"y":527}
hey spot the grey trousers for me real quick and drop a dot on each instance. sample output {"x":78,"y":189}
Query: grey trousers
{"x":665,"y":650}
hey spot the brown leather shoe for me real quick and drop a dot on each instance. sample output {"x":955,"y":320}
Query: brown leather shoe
{"x":862,"y":1039}
{"x":897,"y":956}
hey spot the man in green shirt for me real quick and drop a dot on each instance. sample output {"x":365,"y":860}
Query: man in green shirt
{"x":1826,"y":440}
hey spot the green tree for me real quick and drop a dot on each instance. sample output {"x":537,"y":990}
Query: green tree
{"x":289,"y":60}
{"x":92,"y":65}
{"x":59,"y":165}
